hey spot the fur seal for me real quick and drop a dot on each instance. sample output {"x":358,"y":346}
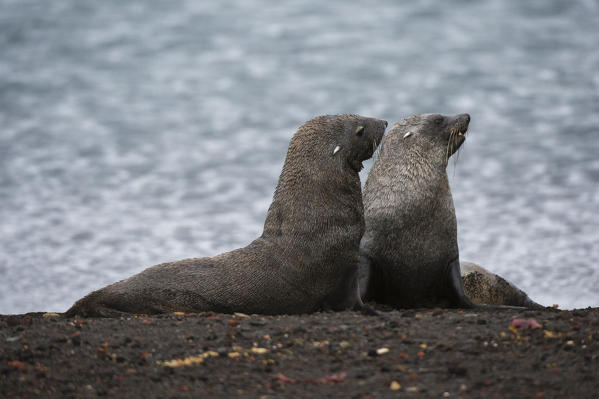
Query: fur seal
{"x":307,"y":256}
{"x":484,"y":287}
{"x":409,"y":253}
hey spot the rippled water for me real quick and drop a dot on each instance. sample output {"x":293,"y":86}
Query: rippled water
{"x":138,"y":132}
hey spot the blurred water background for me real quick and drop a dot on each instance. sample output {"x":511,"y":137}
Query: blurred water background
{"x":134,"y":133}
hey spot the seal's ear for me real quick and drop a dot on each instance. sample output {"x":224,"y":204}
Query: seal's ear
{"x":359,"y":131}
{"x":336,"y":150}
{"x":408,"y":134}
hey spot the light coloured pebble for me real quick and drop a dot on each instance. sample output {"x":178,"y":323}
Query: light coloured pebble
{"x":382,"y":351}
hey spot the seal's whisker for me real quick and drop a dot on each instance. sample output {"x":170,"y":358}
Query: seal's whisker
{"x":452,"y":143}
{"x":454,"y":146}
{"x":455,"y":160}
{"x":447,"y":150}
{"x":449,"y":147}
{"x":377,"y":149}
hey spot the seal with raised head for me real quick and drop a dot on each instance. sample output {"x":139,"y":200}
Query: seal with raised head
{"x":409,"y":253}
{"x":307,"y":256}
{"x":485,"y":287}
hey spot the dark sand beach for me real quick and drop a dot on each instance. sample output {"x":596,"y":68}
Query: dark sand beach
{"x":435,"y":353}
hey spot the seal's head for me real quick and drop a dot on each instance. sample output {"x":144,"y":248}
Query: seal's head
{"x":433,"y":131}
{"x":356,"y":138}
{"x":333,"y":141}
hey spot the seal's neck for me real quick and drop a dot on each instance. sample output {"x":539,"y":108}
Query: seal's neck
{"x":308,"y":202}
{"x":414,"y":177}
{"x":418,"y":165}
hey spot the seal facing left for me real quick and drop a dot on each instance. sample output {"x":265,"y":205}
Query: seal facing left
{"x":307,"y":256}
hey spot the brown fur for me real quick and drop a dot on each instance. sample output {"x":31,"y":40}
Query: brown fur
{"x":307,"y":256}
{"x":409,"y":252}
{"x":483,"y":286}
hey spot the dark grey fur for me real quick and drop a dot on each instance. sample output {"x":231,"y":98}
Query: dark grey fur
{"x":305,"y":260}
{"x":485,"y":287}
{"x":409,"y":252}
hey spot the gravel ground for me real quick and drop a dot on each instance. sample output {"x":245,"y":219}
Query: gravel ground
{"x":408,"y":353}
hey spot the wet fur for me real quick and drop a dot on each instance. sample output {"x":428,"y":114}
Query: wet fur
{"x":409,"y":253}
{"x":483,"y":286}
{"x":305,"y":260}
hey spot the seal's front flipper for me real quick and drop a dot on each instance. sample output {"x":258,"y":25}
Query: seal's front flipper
{"x":365,"y":277}
{"x":367,"y":310}
{"x":345,"y":296}
{"x":458,"y":295}
{"x":361,"y":306}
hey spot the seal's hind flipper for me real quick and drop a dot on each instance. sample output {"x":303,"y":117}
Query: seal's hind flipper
{"x":461,"y":300}
{"x":367,"y":310}
{"x":458,"y":295}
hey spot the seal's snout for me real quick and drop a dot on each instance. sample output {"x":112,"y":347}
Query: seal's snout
{"x":456,"y":135}
{"x":461,"y":123}
{"x":379,"y":127}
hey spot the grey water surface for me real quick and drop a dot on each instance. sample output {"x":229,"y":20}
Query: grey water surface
{"x":139,"y":132}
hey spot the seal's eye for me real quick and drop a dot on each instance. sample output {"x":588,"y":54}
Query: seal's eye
{"x":438,"y":121}
{"x":360,"y":131}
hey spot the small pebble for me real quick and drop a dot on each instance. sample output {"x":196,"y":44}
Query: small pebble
{"x":382,"y":351}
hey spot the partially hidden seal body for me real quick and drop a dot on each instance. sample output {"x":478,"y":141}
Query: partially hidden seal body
{"x":409,"y":253}
{"x":307,"y":256}
{"x":485,"y":287}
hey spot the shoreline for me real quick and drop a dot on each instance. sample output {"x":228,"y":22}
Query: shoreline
{"x":416,"y":353}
